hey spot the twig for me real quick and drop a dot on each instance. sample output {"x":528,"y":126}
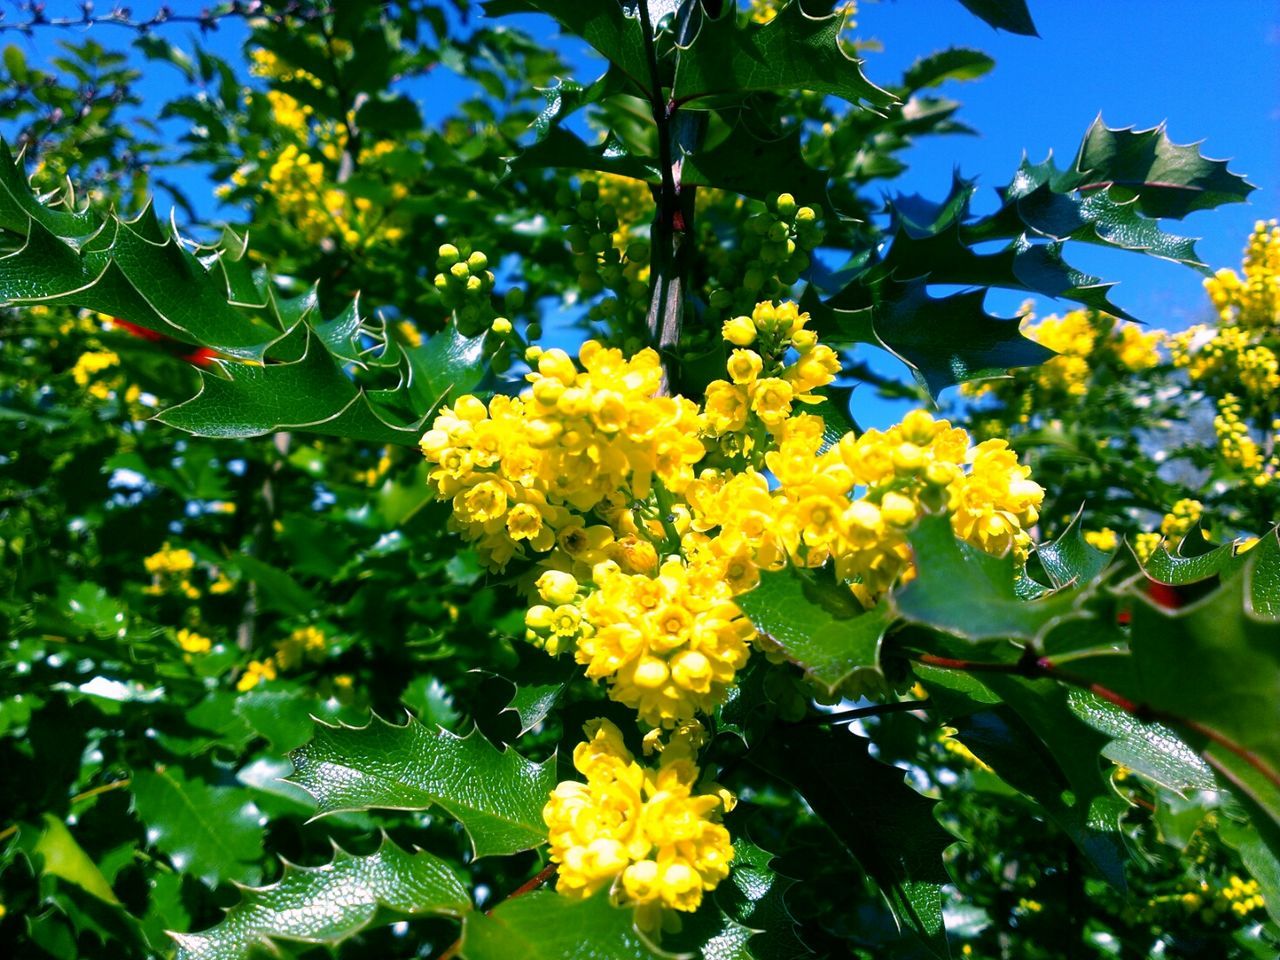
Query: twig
{"x":10,"y":830}
{"x":207,"y":19}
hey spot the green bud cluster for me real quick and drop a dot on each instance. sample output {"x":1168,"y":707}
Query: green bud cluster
{"x":465,"y":285}
{"x":589,"y":227}
{"x":777,"y":240}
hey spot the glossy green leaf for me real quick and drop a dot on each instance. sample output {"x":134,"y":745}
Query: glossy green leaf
{"x":1168,"y":179}
{"x":954,"y":63}
{"x":497,"y":795}
{"x":329,"y":904}
{"x":56,"y":853}
{"x":817,"y":625}
{"x":1071,"y":560}
{"x":887,"y":827}
{"x":969,"y":593}
{"x":546,"y":926}
{"x":793,"y":51}
{"x":214,"y":833}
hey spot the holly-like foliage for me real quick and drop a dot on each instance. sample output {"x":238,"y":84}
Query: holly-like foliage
{"x":655,"y":652}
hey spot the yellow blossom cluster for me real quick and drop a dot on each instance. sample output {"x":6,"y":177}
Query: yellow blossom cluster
{"x":1083,"y":339}
{"x":1105,"y":539}
{"x":1251,"y":298}
{"x":192,"y":642}
{"x":304,"y":645}
{"x":524,"y":473}
{"x":1235,"y":443}
{"x":1145,"y":544}
{"x":1184,"y":515}
{"x":649,"y":835}
{"x":669,"y":646}
{"x":172,"y":570}
{"x":300,"y":173}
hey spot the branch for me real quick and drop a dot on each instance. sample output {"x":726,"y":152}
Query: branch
{"x":207,"y":19}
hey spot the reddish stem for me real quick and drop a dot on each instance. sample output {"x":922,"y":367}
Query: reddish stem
{"x":533,"y":883}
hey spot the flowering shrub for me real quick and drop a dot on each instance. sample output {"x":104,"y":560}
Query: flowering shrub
{"x":481,"y":527}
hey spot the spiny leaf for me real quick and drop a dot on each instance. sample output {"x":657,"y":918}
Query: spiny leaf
{"x":331,"y":903}
{"x":1168,"y":179}
{"x":968,"y":593}
{"x":546,"y":926}
{"x":954,"y":63}
{"x":849,"y":790}
{"x":793,"y":51}
{"x":1071,"y":560}
{"x":497,"y":795}
{"x":214,"y":833}
{"x":944,"y":341}
{"x":818,"y":626}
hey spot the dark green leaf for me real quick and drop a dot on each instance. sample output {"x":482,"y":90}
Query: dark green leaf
{"x":1011,"y":15}
{"x":546,"y":926}
{"x":1071,"y":560}
{"x":850,"y":791}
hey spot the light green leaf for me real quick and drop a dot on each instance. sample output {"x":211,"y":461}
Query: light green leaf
{"x":497,"y":795}
{"x":818,"y":625}
{"x":331,"y":903}
{"x":546,"y":926}
{"x":60,"y":856}
{"x":214,"y":833}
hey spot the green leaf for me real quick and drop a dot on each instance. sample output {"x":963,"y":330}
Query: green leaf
{"x":887,"y":827}
{"x":539,"y":681}
{"x":546,"y":926}
{"x":793,"y":51}
{"x":1151,"y":749}
{"x":278,"y":590}
{"x":60,"y":856}
{"x":497,"y":795}
{"x":1045,"y":750}
{"x":1168,"y":179}
{"x":954,"y":63}
{"x":214,"y":833}
{"x":282,"y":717}
{"x":1071,"y":560}
{"x":310,"y":394}
{"x":329,"y":904}
{"x":943,"y":341}
{"x":1011,"y":15}
{"x":818,"y":625}
{"x":755,"y":898}
{"x":1211,"y":669}
{"x":970,"y":594}
{"x":617,"y":37}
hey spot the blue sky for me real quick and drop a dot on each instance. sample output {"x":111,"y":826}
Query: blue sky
{"x":1211,"y":71}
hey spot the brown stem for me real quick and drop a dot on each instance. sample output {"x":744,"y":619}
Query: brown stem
{"x":667,"y":285}
{"x":533,"y":883}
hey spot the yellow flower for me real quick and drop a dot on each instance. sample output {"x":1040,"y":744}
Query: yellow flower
{"x":1178,"y":522}
{"x":92,"y":363}
{"x":192,"y":642}
{"x":258,"y":671}
{"x":740,"y":331}
{"x":170,"y":561}
{"x":1105,"y":539}
{"x":303,"y":644}
{"x":744,"y":366}
{"x":648,"y":834}
{"x":771,"y":400}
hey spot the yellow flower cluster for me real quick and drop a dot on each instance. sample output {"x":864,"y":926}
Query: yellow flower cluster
{"x":304,"y":645}
{"x":1251,"y":301}
{"x":1145,"y":544}
{"x":171,"y":570}
{"x":1244,"y":896}
{"x":1235,"y":443}
{"x":192,"y":642}
{"x":812,"y":517}
{"x":88,"y":371}
{"x":669,"y":646}
{"x":1105,"y":539}
{"x":647,"y":834}
{"x":1177,"y":523}
{"x":524,"y":472}
{"x":1083,"y":339}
